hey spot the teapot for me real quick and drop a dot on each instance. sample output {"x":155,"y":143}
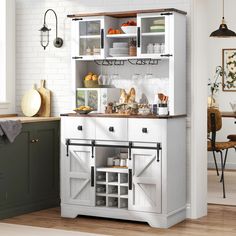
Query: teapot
{"x":233,"y":106}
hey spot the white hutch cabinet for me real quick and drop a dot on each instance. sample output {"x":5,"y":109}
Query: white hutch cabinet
{"x":152,"y":188}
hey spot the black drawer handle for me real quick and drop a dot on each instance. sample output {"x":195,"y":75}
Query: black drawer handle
{"x":80,"y":127}
{"x":144,"y":130}
{"x":111,"y":129}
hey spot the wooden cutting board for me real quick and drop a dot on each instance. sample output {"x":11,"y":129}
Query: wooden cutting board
{"x":45,"y":109}
{"x":31,"y":102}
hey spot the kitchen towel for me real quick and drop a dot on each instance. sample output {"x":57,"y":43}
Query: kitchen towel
{"x":10,"y":128}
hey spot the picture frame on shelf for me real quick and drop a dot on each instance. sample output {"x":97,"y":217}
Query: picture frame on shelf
{"x":229,"y":70}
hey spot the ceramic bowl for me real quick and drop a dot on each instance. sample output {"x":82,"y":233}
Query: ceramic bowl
{"x":129,"y":29}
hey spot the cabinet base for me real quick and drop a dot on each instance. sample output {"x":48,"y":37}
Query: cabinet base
{"x":11,"y":211}
{"x":154,"y":220}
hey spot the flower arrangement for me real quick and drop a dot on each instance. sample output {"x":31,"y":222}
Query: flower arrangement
{"x":214,"y":84}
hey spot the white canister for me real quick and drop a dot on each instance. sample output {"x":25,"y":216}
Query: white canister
{"x":110,"y":161}
{"x":123,"y":162}
{"x":116,"y":162}
{"x":163,"y":110}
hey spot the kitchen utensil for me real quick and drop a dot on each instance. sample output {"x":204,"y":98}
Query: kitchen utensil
{"x":45,"y":109}
{"x":31,"y":102}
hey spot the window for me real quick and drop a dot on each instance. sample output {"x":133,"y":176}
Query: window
{"x":3,"y":51}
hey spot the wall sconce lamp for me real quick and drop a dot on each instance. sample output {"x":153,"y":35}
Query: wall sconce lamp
{"x":44,"y":37}
{"x":223,"y":31}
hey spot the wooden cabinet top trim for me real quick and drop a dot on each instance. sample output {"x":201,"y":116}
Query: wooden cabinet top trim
{"x":126,"y":13}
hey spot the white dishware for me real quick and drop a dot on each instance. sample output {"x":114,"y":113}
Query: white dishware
{"x":157,"y":48}
{"x":129,"y":29}
{"x":162,"y":50}
{"x":150,"y":48}
{"x":120,"y":45}
{"x":116,"y":162}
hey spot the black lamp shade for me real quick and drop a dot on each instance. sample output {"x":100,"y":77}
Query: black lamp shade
{"x":223,"y":31}
{"x":44,"y":36}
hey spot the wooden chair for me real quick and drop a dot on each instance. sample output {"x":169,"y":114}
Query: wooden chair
{"x":214,"y":124}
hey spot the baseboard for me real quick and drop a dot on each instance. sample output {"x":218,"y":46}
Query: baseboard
{"x":188,"y":211}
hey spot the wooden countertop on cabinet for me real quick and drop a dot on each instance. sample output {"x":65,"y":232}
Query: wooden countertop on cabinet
{"x":25,"y":119}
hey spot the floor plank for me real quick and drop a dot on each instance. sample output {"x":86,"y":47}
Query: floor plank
{"x":221,"y":220}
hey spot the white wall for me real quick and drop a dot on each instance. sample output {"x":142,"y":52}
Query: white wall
{"x":214,"y":59}
{"x":7,"y":105}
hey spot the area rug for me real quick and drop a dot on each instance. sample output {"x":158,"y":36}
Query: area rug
{"x":22,"y":230}
{"x":215,"y":192}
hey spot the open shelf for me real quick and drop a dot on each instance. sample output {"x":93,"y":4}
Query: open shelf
{"x":153,"y":34}
{"x":121,"y":36}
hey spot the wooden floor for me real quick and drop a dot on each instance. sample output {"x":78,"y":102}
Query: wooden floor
{"x":221,"y":221}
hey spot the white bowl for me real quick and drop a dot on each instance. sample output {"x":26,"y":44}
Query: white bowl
{"x":129,"y":29}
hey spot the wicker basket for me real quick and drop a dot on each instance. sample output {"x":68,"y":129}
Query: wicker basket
{"x":91,"y":84}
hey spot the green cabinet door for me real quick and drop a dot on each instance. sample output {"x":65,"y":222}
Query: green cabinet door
{"x":44,"y":163}
{"x":14,"y":168}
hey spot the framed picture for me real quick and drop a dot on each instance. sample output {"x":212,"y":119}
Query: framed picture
{"x":229,"y":70}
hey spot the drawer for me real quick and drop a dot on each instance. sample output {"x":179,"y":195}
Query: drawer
{"x":78,"y":127}
{"x":111,"y":129}
{"x":145,"y":130}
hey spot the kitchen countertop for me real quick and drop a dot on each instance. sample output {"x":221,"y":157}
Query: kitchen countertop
{"x":123,"y":116}
{"x":24,"y":119}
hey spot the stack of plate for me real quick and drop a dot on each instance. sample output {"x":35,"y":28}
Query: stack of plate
{"x":119,"y":50}
{"x":158,"y":26}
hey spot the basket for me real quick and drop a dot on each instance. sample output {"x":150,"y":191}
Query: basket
{"x":91,"y":84}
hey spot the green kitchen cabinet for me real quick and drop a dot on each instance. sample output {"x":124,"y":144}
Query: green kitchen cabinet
{"x":29,"y":169}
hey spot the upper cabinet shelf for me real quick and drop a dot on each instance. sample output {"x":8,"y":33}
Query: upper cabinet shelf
{"x":121,"y":36}
{"x":153,"y":35}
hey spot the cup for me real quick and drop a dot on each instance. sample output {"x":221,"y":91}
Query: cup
{"x":157,"y":48}
{"x":150,"y":48}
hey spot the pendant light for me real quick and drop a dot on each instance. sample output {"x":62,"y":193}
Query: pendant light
{"x":223,"y":31}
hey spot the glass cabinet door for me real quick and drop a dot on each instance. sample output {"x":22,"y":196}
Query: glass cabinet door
{"x":153,"y":35}
{"x":89,"y":38}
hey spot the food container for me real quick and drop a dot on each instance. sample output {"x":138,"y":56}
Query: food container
{"x":123,"y":162}
{"x":163,"y":109}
